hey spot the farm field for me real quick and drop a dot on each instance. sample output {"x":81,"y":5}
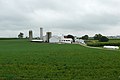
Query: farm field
{"x":111,"y":42}
{"x":24,"y":60}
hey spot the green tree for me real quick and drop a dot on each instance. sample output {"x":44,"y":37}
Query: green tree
{"x":97,"y":36}
{"x":71,"y":36}
{"x":103,"y":39}
{"x":85,"y":37}
{"x":20,"y":35}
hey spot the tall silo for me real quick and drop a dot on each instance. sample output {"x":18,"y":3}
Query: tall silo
{"x":48,"y":36}
{"x":30,"y":35}
{"x":41,"y":33}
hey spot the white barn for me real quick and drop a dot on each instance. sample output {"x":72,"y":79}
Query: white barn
{"x":55,"y":39}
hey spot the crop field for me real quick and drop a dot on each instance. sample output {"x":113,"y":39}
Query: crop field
{"x":24,"y":60}
{"x":111,"y":42}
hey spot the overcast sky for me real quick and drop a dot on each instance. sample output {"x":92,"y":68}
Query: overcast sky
{"x":76,"y":17}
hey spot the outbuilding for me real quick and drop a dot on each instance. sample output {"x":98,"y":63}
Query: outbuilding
{"x":54,"y":39}
{"x":66,"y":40}
{"x":60,"y":39}
{"x":111,"y":47}
{"x":37,"y":40}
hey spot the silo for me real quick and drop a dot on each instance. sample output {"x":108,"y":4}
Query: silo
{"x":48,"y":36}
{"x":30,"y":35}
{"x":41,"y":33}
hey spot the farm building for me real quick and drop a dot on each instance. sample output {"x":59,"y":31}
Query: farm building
{"x":111,"y":47}
{"x":37,"y":40}
{"x":49,"y":38}
{"x":81,"y":41}
{"x":55,"y":39}
{"x":66,"y":40}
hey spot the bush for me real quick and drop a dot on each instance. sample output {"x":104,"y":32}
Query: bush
{"x":103,"y":39}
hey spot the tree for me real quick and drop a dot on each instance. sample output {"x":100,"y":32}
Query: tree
{"x":103,"y":39}
{"x":97,"y":36}
{"x":85,"y":37}
{"x":20,"y":35}
{"x":71,"y":36}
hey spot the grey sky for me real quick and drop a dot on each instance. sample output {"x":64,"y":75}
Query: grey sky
{"x":77,"y":17}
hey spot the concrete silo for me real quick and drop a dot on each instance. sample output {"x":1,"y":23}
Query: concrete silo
{"x":41,"y":33}
{"x":30,"y":35}
{"x":48,"y":36}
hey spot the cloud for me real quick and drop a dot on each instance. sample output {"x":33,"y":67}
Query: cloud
{"x":60,"y":16}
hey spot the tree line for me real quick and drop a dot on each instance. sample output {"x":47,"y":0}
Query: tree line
{"x":98,"y":37}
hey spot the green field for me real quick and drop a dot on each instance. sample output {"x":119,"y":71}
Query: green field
{"x":96,"y":43}
{"x":24,"y":60}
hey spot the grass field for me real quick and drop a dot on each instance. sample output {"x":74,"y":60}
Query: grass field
{"x":23,"y":60}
